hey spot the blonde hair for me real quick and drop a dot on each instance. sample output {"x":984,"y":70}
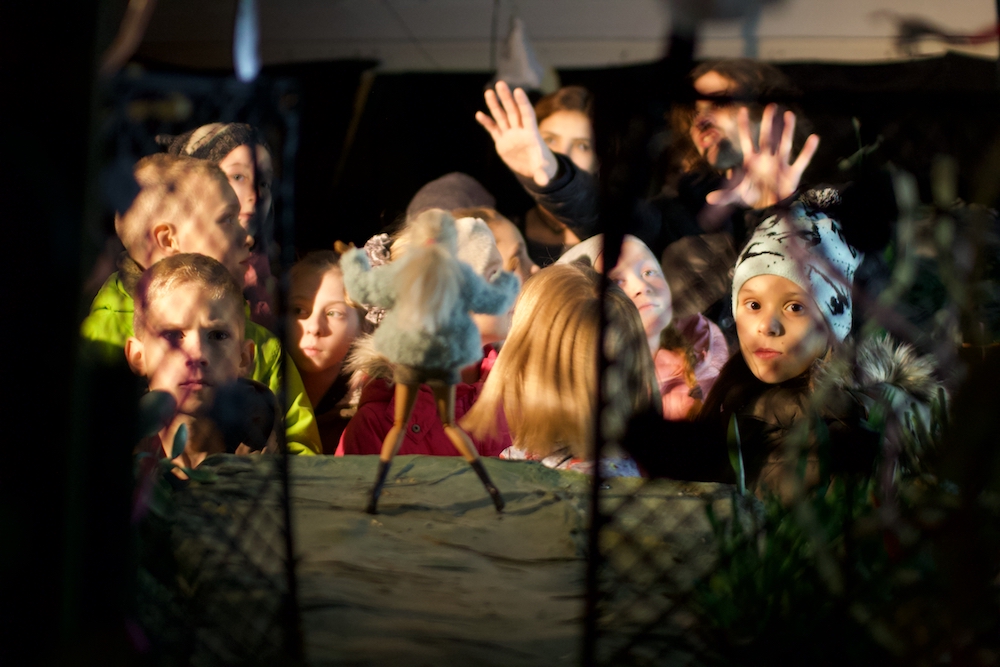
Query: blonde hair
{"x":186,"y":269}
{"x":428,"y":277}
{"x":168,"y":193}
{"x":545,"y":378}
{"x":321,"y":261}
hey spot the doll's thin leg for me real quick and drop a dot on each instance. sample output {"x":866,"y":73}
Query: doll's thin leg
{"x":406,"y":396}
{"x":445,"y":399}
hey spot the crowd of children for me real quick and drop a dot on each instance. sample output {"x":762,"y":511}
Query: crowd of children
{"x":447,"y":338}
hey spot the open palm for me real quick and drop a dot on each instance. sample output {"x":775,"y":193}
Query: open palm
{"x":768,"y":175}
{"x":514,"y":129}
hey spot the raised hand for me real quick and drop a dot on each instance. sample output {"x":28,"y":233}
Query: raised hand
{"x":768,"y":175}
{"x":514,"y":129}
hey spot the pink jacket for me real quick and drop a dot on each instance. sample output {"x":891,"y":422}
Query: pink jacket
{"x":712,"y":353}
{"x":424,"y":433}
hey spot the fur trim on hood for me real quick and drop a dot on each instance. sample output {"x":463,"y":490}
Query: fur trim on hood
{"x":896,"y":377}
{"x":364,"y":363}
{"x":881,"y":362}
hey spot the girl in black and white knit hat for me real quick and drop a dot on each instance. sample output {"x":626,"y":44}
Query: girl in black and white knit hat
{"x":792,"y":303}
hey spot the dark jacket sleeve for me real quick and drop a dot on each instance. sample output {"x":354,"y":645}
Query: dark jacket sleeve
{"x":571,"y":197}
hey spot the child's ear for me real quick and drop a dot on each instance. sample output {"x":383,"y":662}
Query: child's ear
{"x":165,"y":238}
{"x":134,"y":354}
{"x":246,"y":357}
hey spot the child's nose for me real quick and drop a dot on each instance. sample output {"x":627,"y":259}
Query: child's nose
{"x":196,"y":352}
{"x":770,"y":326}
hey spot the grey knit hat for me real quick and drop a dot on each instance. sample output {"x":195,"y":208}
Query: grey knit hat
{"x":809,"y":249}
{"x":451,"y":191}
{"x":214,"y":141}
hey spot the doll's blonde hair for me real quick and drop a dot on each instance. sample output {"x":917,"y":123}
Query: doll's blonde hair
{"x":428,"y":277}
{"x":545,"y":378}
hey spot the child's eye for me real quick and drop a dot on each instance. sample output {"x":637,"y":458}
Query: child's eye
{"x":753,"y":305}
{"x":795,"y":307}
{"x":583,"y":146}
{"x":238,"y":177}
{"x":173,"y":336}
{"x":218,"y":335}
{"x":335,"y":313}
{"x":648,"y":273}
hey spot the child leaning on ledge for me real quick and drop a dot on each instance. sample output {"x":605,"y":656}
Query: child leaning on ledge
{"x":190,"y":343}
{"x":792,"y":304}
{"x":186,"y":205}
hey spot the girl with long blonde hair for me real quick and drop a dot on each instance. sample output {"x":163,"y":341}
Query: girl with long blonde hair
{"x":545,"y":379}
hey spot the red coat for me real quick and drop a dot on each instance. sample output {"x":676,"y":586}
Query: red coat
{"x":424,"y":434}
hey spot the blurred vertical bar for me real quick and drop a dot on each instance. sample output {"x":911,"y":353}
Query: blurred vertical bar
{"x":624,"y":127}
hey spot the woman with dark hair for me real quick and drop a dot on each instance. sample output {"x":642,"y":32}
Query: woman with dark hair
{"x":550,"y":148}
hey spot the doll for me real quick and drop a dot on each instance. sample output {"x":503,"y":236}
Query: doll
{"x":427,"y":332}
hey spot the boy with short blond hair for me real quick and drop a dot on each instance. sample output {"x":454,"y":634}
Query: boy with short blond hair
{"x":189,"y":342}
{"x":186,"y":205}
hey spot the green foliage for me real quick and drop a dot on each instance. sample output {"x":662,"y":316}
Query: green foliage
{"x":770,"y":599}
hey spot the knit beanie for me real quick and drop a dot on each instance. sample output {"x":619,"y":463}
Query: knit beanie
{"x":451,"y":191}
{"x":809,"y":249}
{"x":476,"y":245}
{"x":589,"y":250}
{"x":212,"y":142}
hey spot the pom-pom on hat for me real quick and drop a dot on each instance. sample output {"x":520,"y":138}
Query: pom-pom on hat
{"x":808,"y":249}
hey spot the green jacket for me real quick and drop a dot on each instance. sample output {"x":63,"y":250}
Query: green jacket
{"x":110,"y":322}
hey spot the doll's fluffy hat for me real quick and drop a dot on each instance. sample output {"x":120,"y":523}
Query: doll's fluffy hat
{"x":477,"y":247}
{"x":809,"y":249}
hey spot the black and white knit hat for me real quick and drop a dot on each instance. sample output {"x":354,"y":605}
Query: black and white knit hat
{"x":809,"y":249}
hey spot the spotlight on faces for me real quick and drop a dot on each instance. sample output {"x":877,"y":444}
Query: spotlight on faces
{"x":321,"y":326}
{"x":213,"y":228}
{"x":570,"y":133}
{"x":190,"y":346}
{"x":640,"y":276}
{"x":252,"y":183}
{"x":780,"y":328}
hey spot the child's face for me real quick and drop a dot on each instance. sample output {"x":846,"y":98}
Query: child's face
{"x":512,"y":249}
{"x":191,"y":345}
{"x":570,"y":133}
{"x":492,"y":328}
{"x":321,"y":325}
{"x":780,"y":327}
{"x":252,"y":187}
{"x":639,"y":275}
{"x":212,"y":229}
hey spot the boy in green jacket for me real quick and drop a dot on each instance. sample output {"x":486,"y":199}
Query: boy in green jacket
{"x":187,"y":206}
